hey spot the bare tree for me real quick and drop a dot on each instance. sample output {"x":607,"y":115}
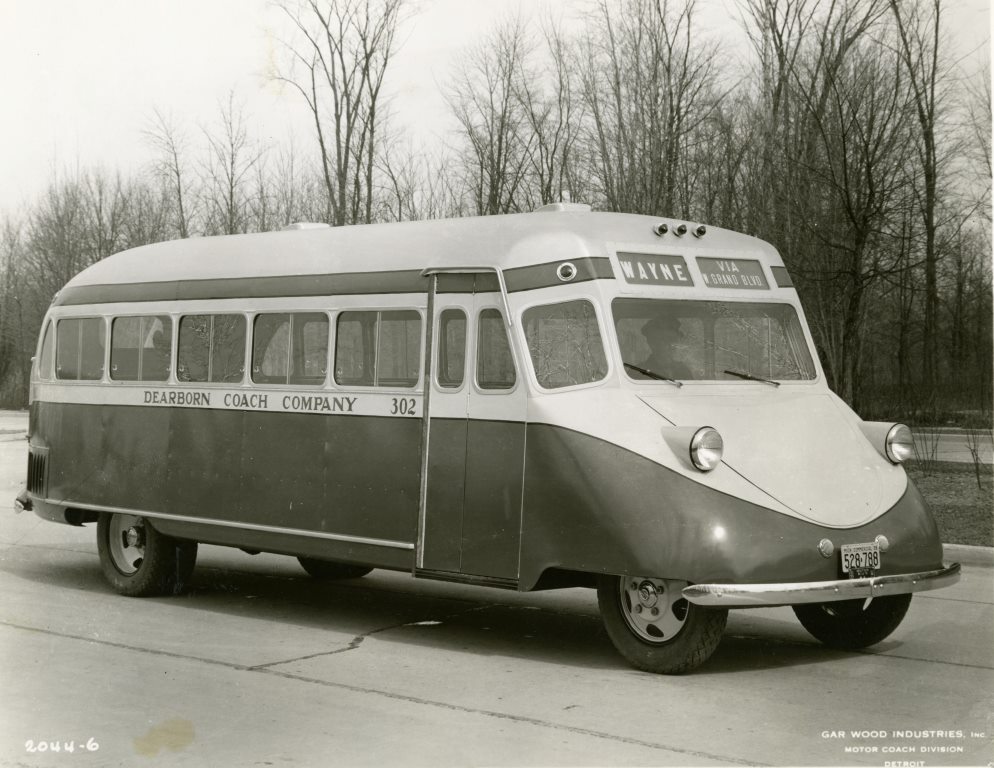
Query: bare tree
{"x":774,"y":186}
{"x":648,"y":85}
{"x":858,"y":182}
{"x":15,"y":327}
{"x":918,"y":24}
{"x":553,"y":114}
{"x":978,"y":95}
{"x":495,"y":143}
{"x":337,"y":64}
{"x":416,"y":184}
{"x":170,"y":166}
{"x":227,"y":170}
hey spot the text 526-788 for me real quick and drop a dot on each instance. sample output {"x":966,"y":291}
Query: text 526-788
{"x":70,"y":747}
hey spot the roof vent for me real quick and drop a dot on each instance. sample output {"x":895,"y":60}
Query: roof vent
{"x":306,"y":225}
{"x":571,"y":207}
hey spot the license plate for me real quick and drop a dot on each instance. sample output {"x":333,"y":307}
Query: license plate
{"x":860,"y":559}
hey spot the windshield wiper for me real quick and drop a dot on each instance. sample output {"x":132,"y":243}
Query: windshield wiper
{"x":653,"y":375}
{"x":752,"y":378}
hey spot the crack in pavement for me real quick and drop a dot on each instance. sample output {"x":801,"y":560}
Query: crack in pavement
{"x":357,"y":640}
{"x":507,"y":716}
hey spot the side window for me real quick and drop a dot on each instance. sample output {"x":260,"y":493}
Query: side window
{"x":494,"y":363}
{"x":46,"y":365}
{"x":79,"y":348}
{"x":141,"y":348}
{"x":211,"y":348}
{"x":451,"y":348}
{"x":290,"y":348}
{"x":564,"y":341}
{"x":378,"y":349}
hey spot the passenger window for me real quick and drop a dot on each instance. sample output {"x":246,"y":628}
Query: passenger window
{"x":141,"y":348}
{"x":451,"y":348}
{"x":290,"y":348}
{"x":79,"y":348}
{"x":494,"y":363}
{"x":211,"y":348}
{"x":378,"y":349}
{"x":46,"y":365}
{"x":564,"y":341}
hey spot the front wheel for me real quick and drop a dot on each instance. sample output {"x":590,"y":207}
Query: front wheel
{"x":138,"y":561}
{"x":654,"y":627}
{"x":851,"y":624}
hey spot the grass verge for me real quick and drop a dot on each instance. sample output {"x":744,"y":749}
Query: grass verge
{"x":963,"y":510}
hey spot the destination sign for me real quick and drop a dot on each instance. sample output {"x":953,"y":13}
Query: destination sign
{"x":649,"y":269}
{"x":732,"y":273}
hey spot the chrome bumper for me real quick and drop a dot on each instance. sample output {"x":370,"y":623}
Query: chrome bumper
{"x":756,"y":595}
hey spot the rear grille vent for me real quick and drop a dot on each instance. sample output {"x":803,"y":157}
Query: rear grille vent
{"x":38,"y":472}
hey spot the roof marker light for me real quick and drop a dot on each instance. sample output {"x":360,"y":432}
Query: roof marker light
{"x":700,"y":231}
{"x":661,"y":228}
{"x":681,"y":230}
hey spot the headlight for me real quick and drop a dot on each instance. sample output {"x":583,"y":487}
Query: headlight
{"x":706,"y":447}
{"x":899,"y":444}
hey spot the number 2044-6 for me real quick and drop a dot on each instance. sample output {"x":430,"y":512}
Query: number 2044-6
{"x":61,"y":746}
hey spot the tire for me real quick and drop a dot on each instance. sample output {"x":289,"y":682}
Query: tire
{"x":328,"y":570}
{"x":677,"y":638}
{"x":846,"y":624}
{"x":138,"y":561}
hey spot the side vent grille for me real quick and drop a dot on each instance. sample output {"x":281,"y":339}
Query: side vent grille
{"x":38,"y":472}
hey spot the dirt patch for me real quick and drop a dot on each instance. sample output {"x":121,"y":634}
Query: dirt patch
{"x":963,"y":510}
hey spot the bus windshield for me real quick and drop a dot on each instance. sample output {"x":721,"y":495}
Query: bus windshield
{"x":672,"y":340}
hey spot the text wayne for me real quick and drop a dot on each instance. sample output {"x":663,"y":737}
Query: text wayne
{"x":650,"y":270}
{"x":257,"y":401}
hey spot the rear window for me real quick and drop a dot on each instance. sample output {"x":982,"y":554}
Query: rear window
{"x":79,"y":349}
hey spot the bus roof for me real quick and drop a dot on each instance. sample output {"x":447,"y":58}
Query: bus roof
{"x":506,"y":242}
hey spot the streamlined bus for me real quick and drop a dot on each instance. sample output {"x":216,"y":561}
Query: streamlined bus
{"x":552,"y":399}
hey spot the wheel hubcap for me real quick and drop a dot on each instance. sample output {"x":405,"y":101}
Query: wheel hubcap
{"x":654,"y":609}
{"x":126,"y":543}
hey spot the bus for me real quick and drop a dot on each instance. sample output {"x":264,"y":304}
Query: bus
{"x":560,"y":398}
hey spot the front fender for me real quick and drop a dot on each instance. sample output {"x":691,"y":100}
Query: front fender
{"x":595,"y":507}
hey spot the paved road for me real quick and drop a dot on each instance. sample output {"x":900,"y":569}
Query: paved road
{"x":260,"y":665}
{"x":955,"y":445}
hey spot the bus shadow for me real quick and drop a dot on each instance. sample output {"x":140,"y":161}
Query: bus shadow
{"x":536,"y":627}
{"x":475,"y":620}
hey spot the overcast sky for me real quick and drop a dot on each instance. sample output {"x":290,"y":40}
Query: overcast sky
{"x":82,"y":77}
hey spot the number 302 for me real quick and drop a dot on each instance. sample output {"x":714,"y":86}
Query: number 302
{"x":403,"y":406}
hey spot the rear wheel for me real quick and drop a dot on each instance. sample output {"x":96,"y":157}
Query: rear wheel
{"x":138,"y":561}
{"x":654,"y":627}
{"x":851,"y":624}
{"x":326,"y":569}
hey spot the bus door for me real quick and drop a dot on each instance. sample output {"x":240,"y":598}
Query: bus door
{"x":473,"y":445}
